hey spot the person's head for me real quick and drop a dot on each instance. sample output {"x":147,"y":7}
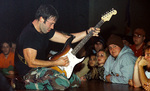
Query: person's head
{"x":115,"y":45}
{"x":13,"y":46}
{"x":99,"y":44}
{"x":92,"y":61}
{"x":101,"y":57}
{"x":92,"y":65}
{"x":127,"y":40}
{"x":5,"y":47}
{"x":139,"y":36}
{"x":47,"y":15}
{"x":46,"y":11}
{"x":147,"y":53}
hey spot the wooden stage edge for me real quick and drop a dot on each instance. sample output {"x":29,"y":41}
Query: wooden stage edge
{"x":96,"y":85}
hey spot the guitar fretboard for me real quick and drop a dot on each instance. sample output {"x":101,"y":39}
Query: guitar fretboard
{"x":86,"y":38}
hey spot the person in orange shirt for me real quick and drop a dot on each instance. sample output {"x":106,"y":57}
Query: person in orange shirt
{"x":6,"y":59}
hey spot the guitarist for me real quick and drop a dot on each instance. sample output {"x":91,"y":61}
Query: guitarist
{"x":30,"y":52}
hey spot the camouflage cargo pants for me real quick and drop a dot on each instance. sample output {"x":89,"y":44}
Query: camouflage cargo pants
{"x":49,"y":79}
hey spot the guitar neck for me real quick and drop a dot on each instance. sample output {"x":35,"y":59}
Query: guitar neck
{"x":86,"y":38}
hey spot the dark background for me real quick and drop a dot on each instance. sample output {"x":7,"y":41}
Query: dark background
{"x":76,"y":15}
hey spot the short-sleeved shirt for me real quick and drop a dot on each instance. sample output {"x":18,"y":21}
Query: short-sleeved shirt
{"x":147,"y":74}
{"x":6,"y":62}
{"x":31,"y":38}
{"x":138,"y":52}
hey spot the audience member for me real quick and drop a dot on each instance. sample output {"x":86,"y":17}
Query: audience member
{"x":138,"y":39}
{"x":141,"y":76}
{"x":13,"y":47}
{"x":102,"y":56}
{"x":119,"y":65}
{"x":99,"y":43}
{"x":127,"y":40}
{"x":93,"y":73}
{"x":7,"y":59}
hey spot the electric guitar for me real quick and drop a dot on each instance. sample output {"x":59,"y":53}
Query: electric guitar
{"x":70,"y":53}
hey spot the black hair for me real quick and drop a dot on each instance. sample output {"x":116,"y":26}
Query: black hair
{"x":46,"y":11}
{"x":92,"y":54}
{"x":146,"y":48}
{"x":9,"y":43}
{"x":101,"y":40}
{"x":106,"y":51}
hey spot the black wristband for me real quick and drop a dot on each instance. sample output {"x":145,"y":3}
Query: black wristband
{"x":86,"y":31}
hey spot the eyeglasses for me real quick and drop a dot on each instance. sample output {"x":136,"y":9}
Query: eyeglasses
{"x":138,"y":35}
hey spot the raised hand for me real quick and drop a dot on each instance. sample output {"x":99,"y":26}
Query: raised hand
{"x":138,"y":60}
{"x":130,"y":82}
{"x":147,"y":86}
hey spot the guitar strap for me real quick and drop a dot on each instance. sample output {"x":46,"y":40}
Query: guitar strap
{"x":21,"y":58}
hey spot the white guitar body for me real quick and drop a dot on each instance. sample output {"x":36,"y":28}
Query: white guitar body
{"x":73,"y":60}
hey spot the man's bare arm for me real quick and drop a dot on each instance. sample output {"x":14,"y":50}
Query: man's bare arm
{"x":30,"y":57}
{"x":61,"y":38}
{"x":143,"y":77}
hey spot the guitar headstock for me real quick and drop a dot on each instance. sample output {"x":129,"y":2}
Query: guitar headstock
{"x":108,"y":15}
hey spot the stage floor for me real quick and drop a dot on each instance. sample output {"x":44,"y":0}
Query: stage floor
{"x":95,"y":85}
